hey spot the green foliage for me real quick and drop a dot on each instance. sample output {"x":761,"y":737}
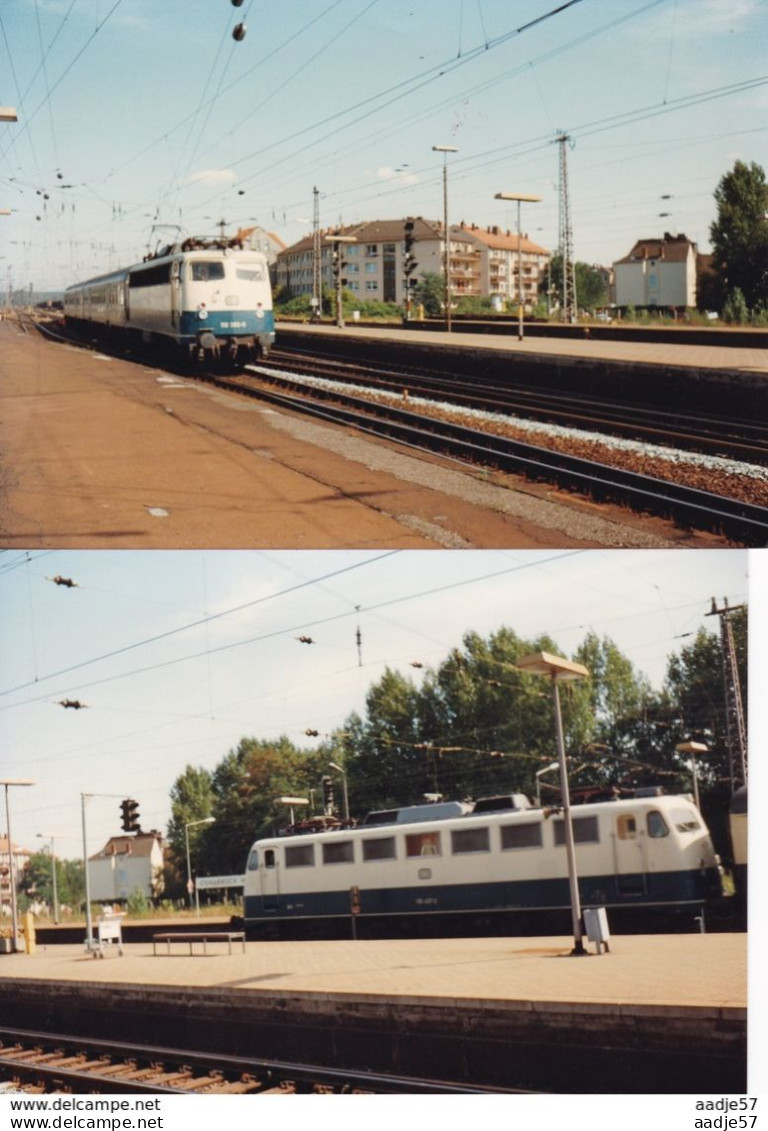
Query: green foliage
{"x":739,"y":235}
{"x":191,"y":800}
{"x":137,"y":902}
{"x":736,"y":309}
{"x":37,"y":881}
{"x":430,"y":292}
{"x":474,"y":304}
{"x":591,"y":290}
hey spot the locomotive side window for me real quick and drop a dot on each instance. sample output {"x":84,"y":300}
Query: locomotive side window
{"x":206,"y":270}
{"x":585,"y":831}
{"x":379,"y":848}
{"x":299,"y":855}
{"x":626,"y":827}
{"x":422,"y":844}
{"x":469,"y":840}
{"x":269,"y":858}
{"x":253,"y":860}
{"x":685,"y":820}
{"x":339,"y":852}
{"x":656,"y":824}
{"x":150,"y":276}
{"x":527,"y":835}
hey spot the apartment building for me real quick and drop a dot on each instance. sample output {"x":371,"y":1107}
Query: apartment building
{"x":501,"y":254}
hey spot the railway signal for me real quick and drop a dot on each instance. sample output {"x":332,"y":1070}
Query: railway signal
{"x":130,"y":811}
{"x":409,"y":265}
{"x":326,"y":781}
{"x":338,"y":264}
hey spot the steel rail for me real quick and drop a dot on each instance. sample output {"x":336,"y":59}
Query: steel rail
{"x":265,"y":1074}
{"x":739,"y":520}
{"x":734,"y":437}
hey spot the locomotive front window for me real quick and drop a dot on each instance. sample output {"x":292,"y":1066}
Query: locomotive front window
{"x":205,"y":270}
{"x":300,"y":856}
{"x":469,"y":840}
{"x":253,"y":860}
{"x":379,"y":848}
{"x":339,"y":852}
{"x":656,"y":824}
{"x":422,"y":844}
{"x":527,"y":835}
{"x":685,"y":820}
{"x":251,"y":274}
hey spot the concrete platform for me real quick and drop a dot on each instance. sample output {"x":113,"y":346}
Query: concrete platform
{"x":663,"y":971}
{"x":658,"y":1014}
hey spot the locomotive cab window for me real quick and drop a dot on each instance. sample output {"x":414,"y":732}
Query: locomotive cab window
{"x":207,"y":270}
{"x":656,"y":824}
{"x":253,"y":274}
{"x":269,"y":858}
{"x":626,"y":827}
{"x":422,"y":844}
{"x":299,"y":855}
{"x":253,"y":860}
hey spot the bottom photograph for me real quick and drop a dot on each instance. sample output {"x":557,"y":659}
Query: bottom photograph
{"x":376,"y":822}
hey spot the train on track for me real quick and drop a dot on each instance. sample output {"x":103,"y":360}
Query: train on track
{"x":496,"y":866}
{"x":207,"y":300}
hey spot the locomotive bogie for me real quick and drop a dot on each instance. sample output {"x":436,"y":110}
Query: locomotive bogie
{"x":651,"y":853}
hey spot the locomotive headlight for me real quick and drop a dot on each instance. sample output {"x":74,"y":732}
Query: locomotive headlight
{"x":202,"y":313}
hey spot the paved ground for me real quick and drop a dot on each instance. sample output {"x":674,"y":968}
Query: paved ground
{"x":98,"y":452}
{"x":727,"y":358}
{"x":656,"y":971}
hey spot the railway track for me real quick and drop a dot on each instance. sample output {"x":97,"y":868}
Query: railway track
{"x":690,"y":507}
{"x":47,"y":1062}
{"x":734,"y":438}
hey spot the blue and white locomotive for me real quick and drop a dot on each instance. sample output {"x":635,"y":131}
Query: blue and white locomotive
{"x":503,"y":863}
{"x":209,"y":299}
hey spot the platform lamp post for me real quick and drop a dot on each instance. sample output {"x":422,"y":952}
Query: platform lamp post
{"x":559,"y":670}
{"x":8,"y":783}
{"x":692,"y":749}
{"x":335,"y":766}
{"x":190,"y":885}
{"x":519,"y":197}
{"x":52,"y":839}
{"x":539,"y":773}
{"x":445,"y":150}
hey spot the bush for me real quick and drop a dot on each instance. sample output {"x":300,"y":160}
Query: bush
{"x":137,"y":902}
{"x":736,"y":309}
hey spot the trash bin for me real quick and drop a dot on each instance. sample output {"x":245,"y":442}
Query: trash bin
{"x":109,"y":930}
{"x":596,"y":926}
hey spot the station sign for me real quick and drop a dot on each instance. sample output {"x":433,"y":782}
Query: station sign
{"x":207,"y":882}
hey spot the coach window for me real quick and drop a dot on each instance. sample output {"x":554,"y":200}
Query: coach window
{"x":469,"y":840}
{"x":299,"y":856}
{"x":527,"y":835}
{"x":379,"y":848}
{"x":339,"y":852}
{"x":656,"y":824}
{"x":422,"y":844}
{"x":585,"y":831}
{"x":626,"y":827}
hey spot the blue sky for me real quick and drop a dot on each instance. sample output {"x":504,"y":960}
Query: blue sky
{"x":190,"y":696}
{"x":134,"y":113}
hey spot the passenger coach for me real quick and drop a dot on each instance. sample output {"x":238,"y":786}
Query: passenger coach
{"x":494,"y":863}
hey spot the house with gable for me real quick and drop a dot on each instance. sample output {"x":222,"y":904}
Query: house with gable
{"x":658,"y":273}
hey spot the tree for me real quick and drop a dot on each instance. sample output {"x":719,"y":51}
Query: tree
{"x":591,"y":291}
{"x":191,"y":800}
{"x":739,"y":235}
{"x":37,"y":881}
{"x":430,"y":292}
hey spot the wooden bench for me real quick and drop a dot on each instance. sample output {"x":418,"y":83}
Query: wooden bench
{"x":203,"y":937}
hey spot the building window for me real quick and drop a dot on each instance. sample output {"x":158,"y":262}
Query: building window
{"x":422,"y":844}
{"x":299,"y":855}
{"x":351,"y":249}
{"x":469,"y":840}
{"x":372,"y":249}
{"x":372,"y":285}
{"x":526,"y":835}
{"x":389,"y":249}
{"x":353,"y":268}
{"x":379,"y":848}
{"x":371,"y":269}
{"x":339,"y":852}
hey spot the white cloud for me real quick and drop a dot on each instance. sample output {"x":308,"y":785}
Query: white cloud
{"x":212,"y":177}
